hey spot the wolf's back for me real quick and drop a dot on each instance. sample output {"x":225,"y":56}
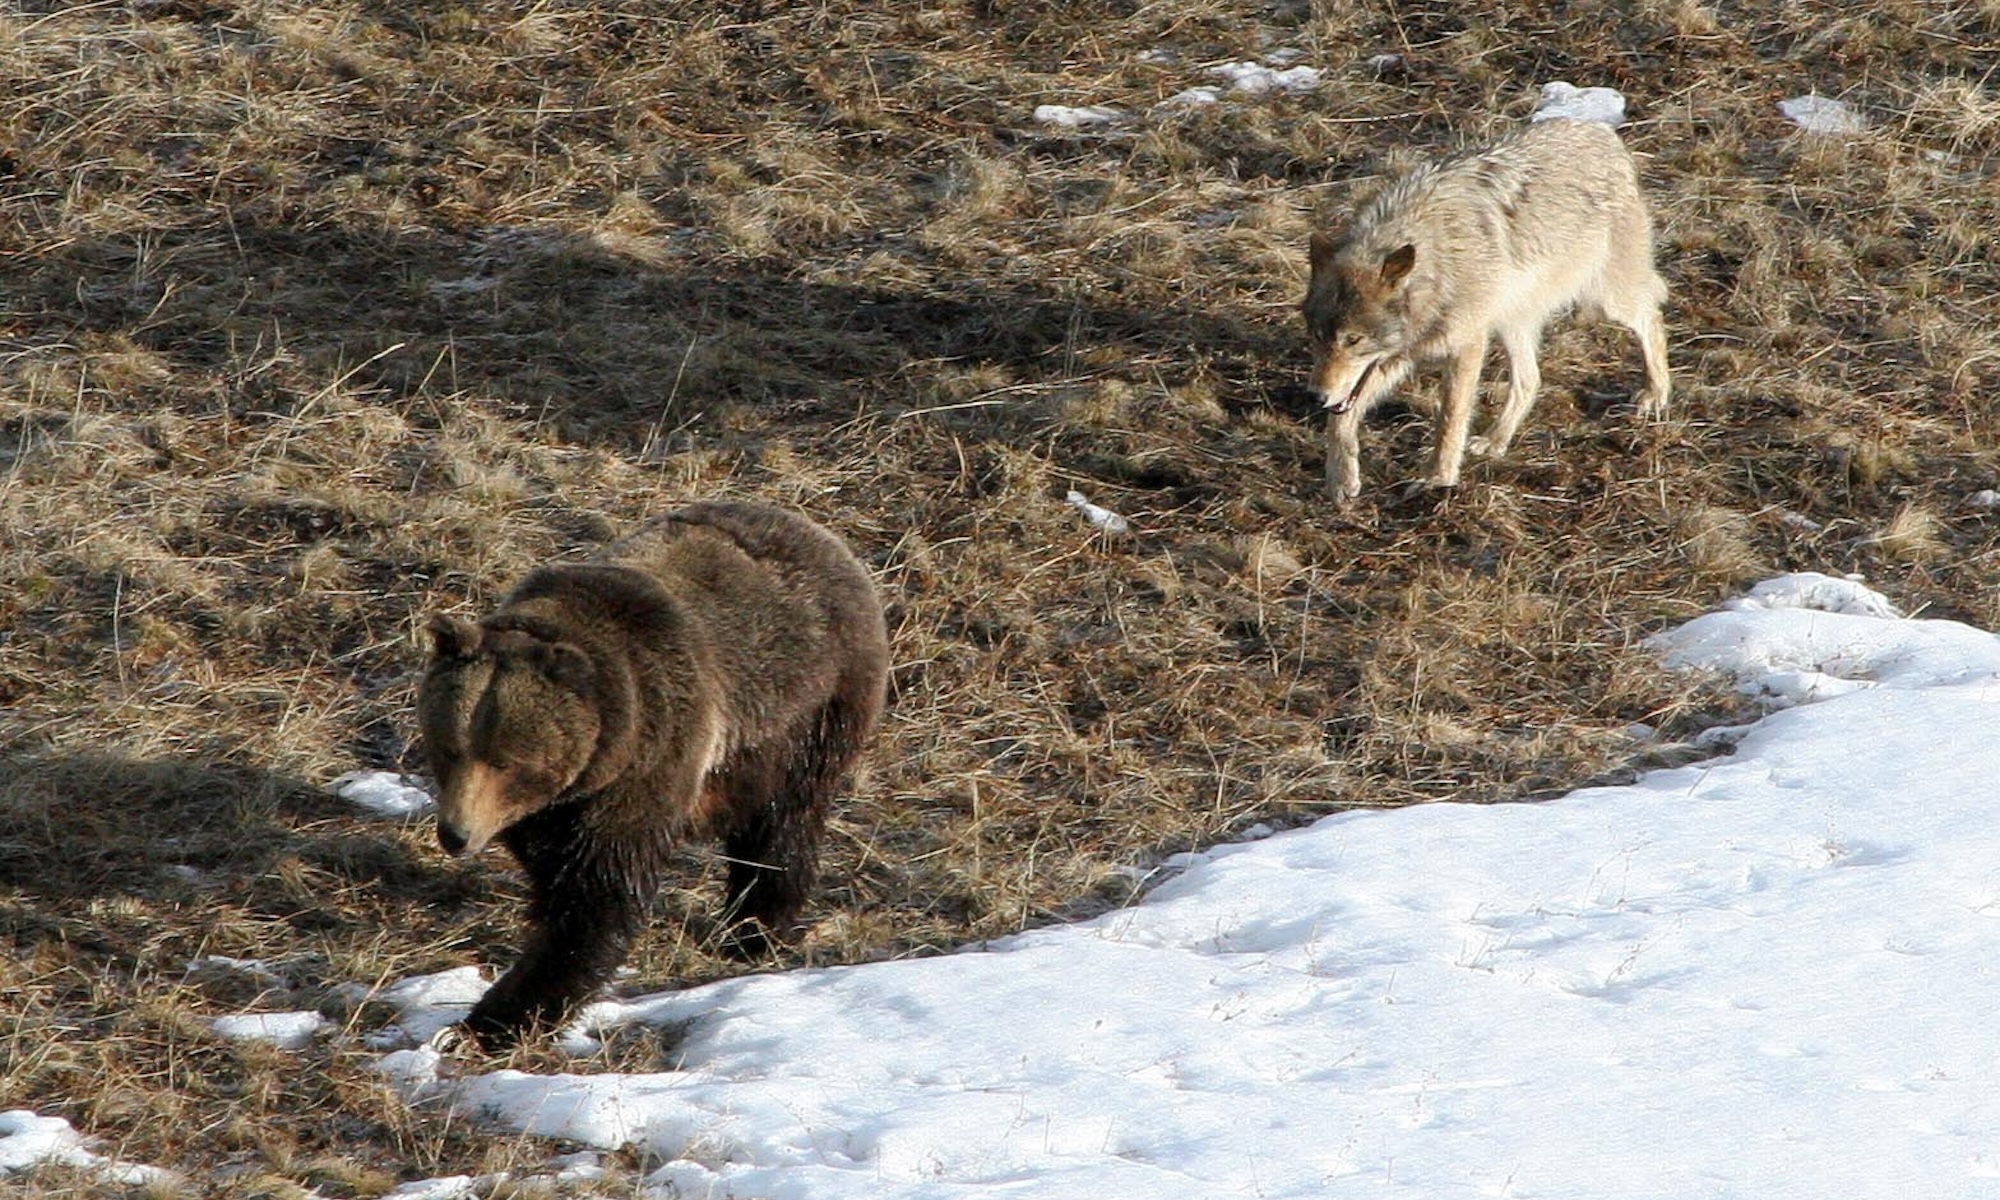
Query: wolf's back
{"x":1554,"y":190}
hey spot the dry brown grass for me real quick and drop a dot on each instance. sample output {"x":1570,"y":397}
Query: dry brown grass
{"x":318,"y":318}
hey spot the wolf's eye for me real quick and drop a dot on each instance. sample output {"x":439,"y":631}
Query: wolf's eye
{"x":1349,"y":339}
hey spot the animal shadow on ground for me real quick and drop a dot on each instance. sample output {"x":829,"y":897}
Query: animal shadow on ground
{"x":105,"y":854}
{"x":608,"y":346}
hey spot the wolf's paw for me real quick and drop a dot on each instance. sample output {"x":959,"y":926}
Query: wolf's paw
{"x":1651,"y":403}
{"x":1427,"y":491}
{"x":1485,"y":445}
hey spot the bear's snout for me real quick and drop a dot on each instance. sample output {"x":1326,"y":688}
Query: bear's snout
{"x":472,"y":807}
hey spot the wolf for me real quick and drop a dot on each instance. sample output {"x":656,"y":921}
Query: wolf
{"x":1491,"y":242}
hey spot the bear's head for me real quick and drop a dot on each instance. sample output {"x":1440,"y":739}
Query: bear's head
{"x":510,"y":725}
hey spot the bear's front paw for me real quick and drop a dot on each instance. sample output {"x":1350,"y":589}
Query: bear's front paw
{"x":478,"y":1033}
{"x":452,"y":1039}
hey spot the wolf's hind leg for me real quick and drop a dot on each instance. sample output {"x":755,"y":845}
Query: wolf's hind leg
{"x":1652,"y":334}
{"x":1633,"y":294}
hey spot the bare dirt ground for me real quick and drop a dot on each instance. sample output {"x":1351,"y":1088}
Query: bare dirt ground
{"x":318,"y":318}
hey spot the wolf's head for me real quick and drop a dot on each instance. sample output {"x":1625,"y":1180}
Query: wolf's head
{"x":509,"y":723}
{"x":1354,"y":316}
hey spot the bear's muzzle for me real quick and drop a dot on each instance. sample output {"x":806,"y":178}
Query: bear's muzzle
{"x":471,"y":809}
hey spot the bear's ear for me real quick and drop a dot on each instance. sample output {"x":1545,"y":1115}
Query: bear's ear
{"x":454,"y":637}
{"x":566,"y":663}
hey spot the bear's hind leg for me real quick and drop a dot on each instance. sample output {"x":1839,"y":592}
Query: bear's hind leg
{"x":773,"y":852}
{"x":781,"y":808}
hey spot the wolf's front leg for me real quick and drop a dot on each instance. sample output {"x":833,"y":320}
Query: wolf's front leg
{"x":1524,"y":380}
{"x":1455,"y":422}
{"x":1343,"y":453}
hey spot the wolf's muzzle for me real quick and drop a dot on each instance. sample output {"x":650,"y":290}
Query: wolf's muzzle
{"x":1337,"y":404}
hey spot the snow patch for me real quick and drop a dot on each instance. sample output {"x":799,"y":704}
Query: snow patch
{"x":414,"y":1070}
{"x":1102,"y":518}
{"x":426,"y":1004}
{"x":1567,"y":102}
{"x":446,"y":1188}
{"x":285,"y":1030}
{"x":1194,"y":97}
{"x":1258,"y":79}
{"x":1809,"y":637}
{"x":28,"y":1141}
{"x":1279,"y":72}
{"x":1810,"y":589}
{"x":384,"y":793}
{"x":1088,"y":116}
{"x":1823,"y":115}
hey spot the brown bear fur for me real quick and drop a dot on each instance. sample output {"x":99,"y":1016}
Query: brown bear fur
{"x":712,"y":675}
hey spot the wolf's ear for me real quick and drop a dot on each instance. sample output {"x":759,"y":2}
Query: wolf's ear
{"x":453,"y":637}
{"x":1398,"y":264}
{"x":1320,"y":249}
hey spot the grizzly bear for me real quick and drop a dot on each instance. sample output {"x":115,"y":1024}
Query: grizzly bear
{"x":712,"y":675}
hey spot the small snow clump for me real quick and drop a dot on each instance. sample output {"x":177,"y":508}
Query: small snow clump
{"x":1065,"y":117}
{"x":1822,"y":114}
{"x":384,"y":793}
{"x":1256,"y":79}
{"x":1564,"y":101}
{"x":285,"y":1030}
{"x":1103,"y":518}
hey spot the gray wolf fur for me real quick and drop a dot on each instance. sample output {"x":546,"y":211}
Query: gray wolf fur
{"x":1493,"y":242}
{"x":712,"y":675}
